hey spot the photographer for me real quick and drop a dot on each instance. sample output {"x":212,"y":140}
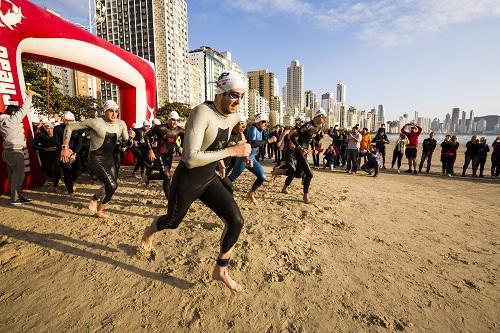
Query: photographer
{"x":471,"y":154}
{"x":353,"y":144}
{"x":411,"y":148}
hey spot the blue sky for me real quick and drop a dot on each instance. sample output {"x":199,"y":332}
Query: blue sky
{"x":410,"y":55}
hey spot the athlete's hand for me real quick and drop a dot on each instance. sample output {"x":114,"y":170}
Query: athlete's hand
{"x":248,"y":161}
{"x":222,"y":170}
{"x":66,"y":155}
{"x":241,"y":149}
{"x":151,"y":156}
{"x":271,"y":139}
{"x":131,"y":133}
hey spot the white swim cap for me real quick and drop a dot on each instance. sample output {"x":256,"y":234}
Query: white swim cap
{"x":44,"y":119}
{"x":300,"y":117}
{"x":174,"y":115}
{"x":261,"y":117}
{"x":156,"y":121}
{"x":320,"y":113}
{"x":69,"y":116}
{"x":110,"y":104}
{"x":228,"y":81}
{"x":243,"y":118}
{"x":146,"y":123}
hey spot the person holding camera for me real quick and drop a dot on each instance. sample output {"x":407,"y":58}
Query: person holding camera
{"x":411,"y":148}
{"x":353,"y":144}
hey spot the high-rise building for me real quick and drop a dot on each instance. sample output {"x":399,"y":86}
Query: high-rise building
{"x":381,"y":114}
{"x":197,"y":85}
{"x":455,"y":114}
{"x":66,"y":78}
{"x":264,"y":82}
{"x":415,"y":117}
{"x":211,"y":63}
{"x":156,"y":31}
{"x":471,"y":121}
{"x":284,"y":95}
{"x":87,"y":85}
{"x":341,"y":91}
{"x":295,"y":85}
{"x":310,"y":99}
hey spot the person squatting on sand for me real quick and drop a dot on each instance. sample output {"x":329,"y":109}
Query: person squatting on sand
{"x":206,"y":138}
{"x":167,"y":136}
{"x":301,"y":140}
{"x":106,"y":132}
{"x":256,"y":141}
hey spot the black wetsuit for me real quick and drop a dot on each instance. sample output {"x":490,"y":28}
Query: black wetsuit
{"x":70,"y":170}
{"x":103,"y":144}
{"x":166,"y":138}
{"x":45,"y":145}
{"x":206,"y":138}
{"x":302,"y":139}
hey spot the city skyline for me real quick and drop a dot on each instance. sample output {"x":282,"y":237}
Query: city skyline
{"x":421,"y":68}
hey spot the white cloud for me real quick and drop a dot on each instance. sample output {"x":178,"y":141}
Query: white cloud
{"x":386,"y":22}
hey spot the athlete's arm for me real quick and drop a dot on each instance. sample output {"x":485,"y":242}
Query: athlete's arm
{"x":66,"y":153}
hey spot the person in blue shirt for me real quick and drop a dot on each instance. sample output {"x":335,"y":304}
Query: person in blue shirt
{"x":256,"y":140}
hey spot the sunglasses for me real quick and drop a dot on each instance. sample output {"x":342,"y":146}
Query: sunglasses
{"x":234,"y":95}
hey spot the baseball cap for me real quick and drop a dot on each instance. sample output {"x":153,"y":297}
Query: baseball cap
{"x":174,"y":115}
{"x":261,"y":117}
{"x":229,"y":80}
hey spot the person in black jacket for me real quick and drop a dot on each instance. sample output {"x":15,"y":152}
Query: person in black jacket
{"x":471,"y":153}
{"x":71,"y":168}
{"x":428,"y":147}
{"x":483,"y":150}
{"x":45,"y":145}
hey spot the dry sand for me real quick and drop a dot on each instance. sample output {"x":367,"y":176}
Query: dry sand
{"x":392,"y":253}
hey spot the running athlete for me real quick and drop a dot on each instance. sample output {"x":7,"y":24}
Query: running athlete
{"x":301,"y":140}
{"x":106,"y":132}
{"x":166,"y":136}
{"x":256,"y":140}
{"x":207,"y":133}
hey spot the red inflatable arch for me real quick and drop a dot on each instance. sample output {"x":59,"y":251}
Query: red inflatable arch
{"x":34,"y":33}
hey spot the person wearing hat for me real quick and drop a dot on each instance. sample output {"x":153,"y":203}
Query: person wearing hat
{"x":105,"y":133}
{"x":44,"y":144}
{"x":205,"y":144}
{"x":256,"y":140}
{"x":14,"y":143}
{"x":301,"y":139}
{"x":163,"y":154}
{"x":70,"y":169}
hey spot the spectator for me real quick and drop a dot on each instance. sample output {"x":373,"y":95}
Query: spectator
{"x":399,"y":149}
{"x":411,"y":148}
{"x":364,"y":145}
{"x":353,"y":143}
{"x":428,"y":147}
{"x":380,"y":141}
{"x":371,"y":165}
{"x":329,"y":157}
{"x":14,"y":143}
{"x":471,"y":153}
{"x":495,"y":158}
{"x":483,"y":154}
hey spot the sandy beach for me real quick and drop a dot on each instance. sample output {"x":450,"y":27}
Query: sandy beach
{"x":392,"y":253}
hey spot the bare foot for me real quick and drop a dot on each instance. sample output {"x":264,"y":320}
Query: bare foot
{"x":74,"y":187}
{"x":251,"y":196}
{"x":221,"y":274}
{"x":100,"y":214}
{"x":306,"y":199}
{"x":285,"y":190}
{"x":147,"y":239}
{"x":93,"y":206}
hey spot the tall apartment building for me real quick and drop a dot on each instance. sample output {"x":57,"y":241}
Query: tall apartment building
{"x":87,"y":85}
{"x":381,"y":114}
{"x":155,"y":30}
{"x":341,"y":91}
{"x":196,"y":85}
{"x":213,"y":63}
{"x":66,"y":78}
{"x":295,"y":85}
{"x":264,"y":82}
{"x":455,"y":115}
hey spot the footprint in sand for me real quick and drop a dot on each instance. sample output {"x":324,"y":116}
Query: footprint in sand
{"x":146,"y":255}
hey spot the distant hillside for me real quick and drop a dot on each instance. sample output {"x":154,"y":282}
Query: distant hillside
{"x":491,"y":121}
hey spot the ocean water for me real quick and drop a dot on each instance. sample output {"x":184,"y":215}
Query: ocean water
{"x":462,"y":139}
